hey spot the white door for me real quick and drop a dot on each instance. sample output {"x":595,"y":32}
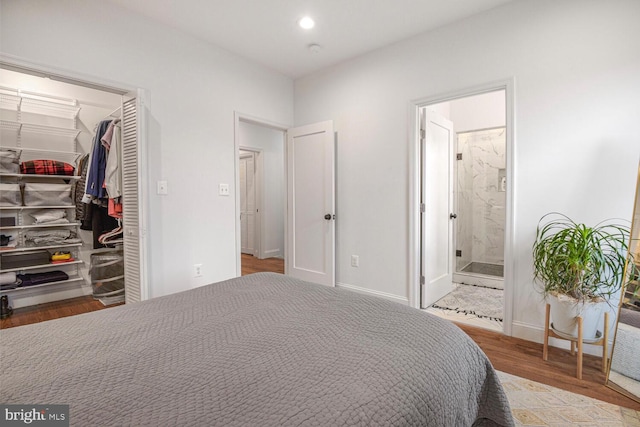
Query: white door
{"x":436,"y":150}
{"x":247,"y":204}
{"x":311,"y":203}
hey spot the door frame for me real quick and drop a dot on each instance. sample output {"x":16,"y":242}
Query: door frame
{"x":22,"y":65}
{"x":241,"y":117}
{"x":508,"y":85}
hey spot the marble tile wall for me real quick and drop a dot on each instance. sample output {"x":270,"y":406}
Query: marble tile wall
{"x":481,"y":197}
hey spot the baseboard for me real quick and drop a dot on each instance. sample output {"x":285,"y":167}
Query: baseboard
{"x":536,"y":334}
{"x":273,"y":253}
{"x":385,"y":295}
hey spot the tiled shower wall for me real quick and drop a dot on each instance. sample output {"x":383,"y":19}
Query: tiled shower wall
{"x":481,"y":197}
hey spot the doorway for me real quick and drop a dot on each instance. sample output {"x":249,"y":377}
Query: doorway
{"x":463,"y":191}
{"x":63,"y":130}
{"x":261,"y":195}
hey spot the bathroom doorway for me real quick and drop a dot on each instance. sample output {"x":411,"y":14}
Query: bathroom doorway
{"x":478,"y":200}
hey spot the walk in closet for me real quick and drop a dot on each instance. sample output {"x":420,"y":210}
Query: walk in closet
{"x":63,"y":199}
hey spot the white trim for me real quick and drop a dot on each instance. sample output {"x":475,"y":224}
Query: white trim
{"x":80,"y":79}
{"x":379,"y":294}
{"x":273,"y":253}
{"x":508,"y":85}
{"x":237,"y":118}
{"x":143,"y":192}
{"x":15,"y":63}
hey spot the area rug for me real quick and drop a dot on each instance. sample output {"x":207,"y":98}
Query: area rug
{"x":476,"y":300}
{"x":536,"y":404}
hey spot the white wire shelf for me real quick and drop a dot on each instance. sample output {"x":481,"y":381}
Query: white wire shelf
{"x":37,"y":176}
{"x":49,"y":108}
{"x":38,"y":103}
{"x":21,"y":127}
{"x":32,"y":248}
{"x":71,"y":280}
{"x":20,"y":208}
{"x":26,"y":227}
{"x":39,"y":266}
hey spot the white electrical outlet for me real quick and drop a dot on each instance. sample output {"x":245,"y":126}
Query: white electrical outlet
{"x":355,"y":261}
{"x":162,"y":188}
{"x":197,"y":270}
{"x":223,"y":189}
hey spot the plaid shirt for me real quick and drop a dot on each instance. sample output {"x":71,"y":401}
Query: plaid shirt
{"x":46,"y":167}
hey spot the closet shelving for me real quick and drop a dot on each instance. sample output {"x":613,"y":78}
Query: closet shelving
{"x":38,"y":126}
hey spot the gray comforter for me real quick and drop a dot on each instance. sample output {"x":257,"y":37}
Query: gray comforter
{"x":261,"y":350}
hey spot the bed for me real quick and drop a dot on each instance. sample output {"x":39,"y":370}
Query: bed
{"x":259,"y":350}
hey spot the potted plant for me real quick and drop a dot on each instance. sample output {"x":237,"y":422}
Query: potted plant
{"x":580,"y":268}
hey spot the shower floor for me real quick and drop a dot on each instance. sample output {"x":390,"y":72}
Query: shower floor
{"x":484,"y":268}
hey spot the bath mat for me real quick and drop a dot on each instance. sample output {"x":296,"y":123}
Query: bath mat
{"x":476,"y":300}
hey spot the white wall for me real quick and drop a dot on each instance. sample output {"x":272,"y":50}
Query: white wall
{"x":271,"y":144}
{"x":576,"y":65}
{"x":193,"y":90}
{"x":487,"y":110}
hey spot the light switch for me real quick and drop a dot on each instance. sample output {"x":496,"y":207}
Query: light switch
{"x":223,"y":189}
{"x":162,"y":187}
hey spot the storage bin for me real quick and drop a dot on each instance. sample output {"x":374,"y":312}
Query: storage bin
{"x":107,"y":274}
{"x":9,"y":161}
{"x":10,"y":194}
{"x":45,"y":194}
{"x":18,"y":260}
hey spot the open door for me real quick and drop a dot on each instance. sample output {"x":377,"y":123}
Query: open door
{"x":436,"y":224}
{"x":248,"y":203}
{"x":311,"y":203}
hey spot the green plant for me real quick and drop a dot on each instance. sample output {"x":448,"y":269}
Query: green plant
{"x":585,"y":263}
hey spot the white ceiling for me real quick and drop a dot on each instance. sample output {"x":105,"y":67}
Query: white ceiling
{"x":266,"y":31}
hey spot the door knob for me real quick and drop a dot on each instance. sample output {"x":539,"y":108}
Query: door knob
{"x":453,"y":216}
{"x":327,"y":216}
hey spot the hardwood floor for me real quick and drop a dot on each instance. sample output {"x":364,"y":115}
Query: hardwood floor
{"x":507,"y":354}
{"x":524,"y":359}
{"x":251,"y":264}
{"x":50,"y":311}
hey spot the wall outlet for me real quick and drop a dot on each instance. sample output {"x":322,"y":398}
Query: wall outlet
{"x":197,"y":270}
{"x":223,"y":189}
{"x":162,"y":188}
{"x":355,"y":261}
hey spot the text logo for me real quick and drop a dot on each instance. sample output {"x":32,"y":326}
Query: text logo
{"x":34,"y":415}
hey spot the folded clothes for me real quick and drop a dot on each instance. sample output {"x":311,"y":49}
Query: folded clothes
{"x":48,"y":216}
{"x":51,"y":237}
{"x":33,"y":279}
{"x":7,"y":278}
{"x":46,"y":167}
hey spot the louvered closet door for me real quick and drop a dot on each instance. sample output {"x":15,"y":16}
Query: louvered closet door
{"x":130,"y":200}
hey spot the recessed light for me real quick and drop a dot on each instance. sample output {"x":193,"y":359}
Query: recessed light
{"x":306,"y":23}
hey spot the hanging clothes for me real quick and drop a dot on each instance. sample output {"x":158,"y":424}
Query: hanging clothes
{"x":81,"y":208}
{"x":95,"y":175}
{"x":113,"y":175}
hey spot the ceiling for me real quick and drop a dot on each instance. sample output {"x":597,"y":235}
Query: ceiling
{"x":266,"y":31}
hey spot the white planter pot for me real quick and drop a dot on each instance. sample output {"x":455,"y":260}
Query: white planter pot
{"x":565,"y":310}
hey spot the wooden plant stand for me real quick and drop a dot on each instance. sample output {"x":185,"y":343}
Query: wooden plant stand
{"x":577,"y":341}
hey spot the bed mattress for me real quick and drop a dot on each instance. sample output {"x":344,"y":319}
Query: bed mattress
{"x":260,"y":350}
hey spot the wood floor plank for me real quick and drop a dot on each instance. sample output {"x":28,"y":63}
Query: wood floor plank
{"x":524,"y":358}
